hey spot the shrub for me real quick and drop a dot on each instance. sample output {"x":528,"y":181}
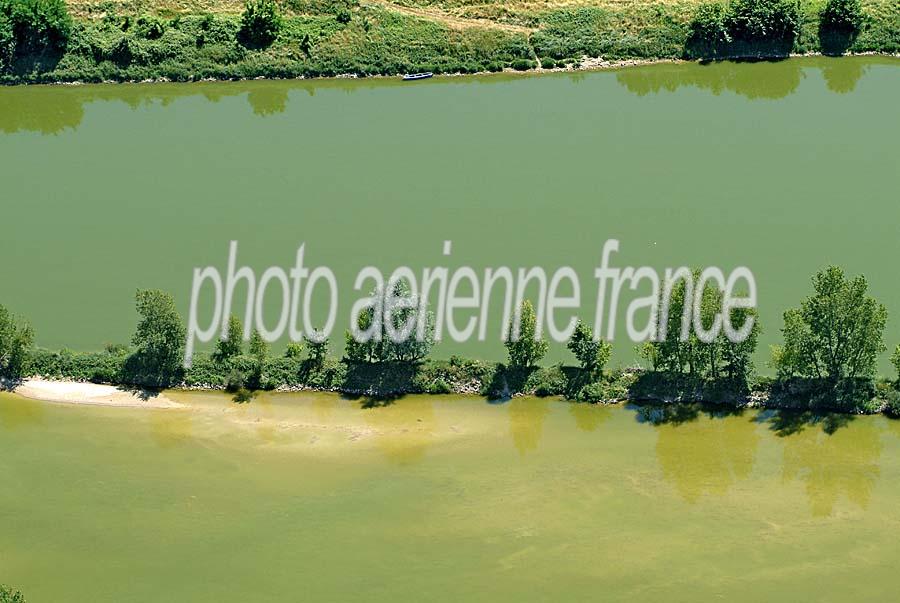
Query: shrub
{"x":839,"y":24}
{"x":150,"y":28}
{"x":546,"y":382}
{"x":709,"y":34}
{"x":522,"y":64}
{"x":33,"y":27}
{"x":8,"y":595}
{"x":744,"y":28}
{"x":260,"y":23}
{"x":548,"y":63}
{"x":892,"y":404}
{"x":16,"y":338}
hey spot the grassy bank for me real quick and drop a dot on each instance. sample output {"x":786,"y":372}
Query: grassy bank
{"x":153,"y":39}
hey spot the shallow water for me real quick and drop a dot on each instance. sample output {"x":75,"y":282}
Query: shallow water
{"x":784,"y":167}
{"x":309,"y":496}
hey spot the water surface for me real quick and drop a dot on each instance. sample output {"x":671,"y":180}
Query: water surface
{"x":783,"y":167}
{"x":308,"y":496}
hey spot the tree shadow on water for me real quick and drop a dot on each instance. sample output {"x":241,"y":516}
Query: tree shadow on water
{"x":680,"y":413}
{"x":789,"y":422}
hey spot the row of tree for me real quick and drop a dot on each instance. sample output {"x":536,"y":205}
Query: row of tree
{"x":836,"y":334}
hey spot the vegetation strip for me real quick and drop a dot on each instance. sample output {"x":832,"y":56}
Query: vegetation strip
{"x":41,"y":42}
{"x":828,"y":361}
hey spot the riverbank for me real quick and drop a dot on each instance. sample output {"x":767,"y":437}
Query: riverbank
{"x":379,"y":386}
{"x":92,"y":394}
{"x":118,"y":43}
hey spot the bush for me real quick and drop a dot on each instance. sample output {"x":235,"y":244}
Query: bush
{"x":548,"y":63}
{"x":33,"y":28}
{"x":892,"y":404}
{"x":260,"y":23}
{"x":545,"y":382}
{"x":839,"y":24}
{"x":708,"y":31}
{"x":8,"y":595}
{"x":522,"y":64}
{"x":744,"y":28}
{"x":150,"y":28}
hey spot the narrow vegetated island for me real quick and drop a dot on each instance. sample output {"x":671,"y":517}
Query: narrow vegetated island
{"x":55,"y":41}
{"x":827,"y":362}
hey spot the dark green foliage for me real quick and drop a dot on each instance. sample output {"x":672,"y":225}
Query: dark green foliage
{"x":377,"y":41}
{"x":718,"y":359}
{"x":318,"y":350}
{"x":856,"y":396}
{"x":524,"y":348}
{"x":373,"y":320}
{"x":260,"y":23}
{"x":544,"y":382}
{"x":548,"y":63}
{"x":96,"y":367}
{"x":744,"y":28}
{"x":892,"y":404}
{"x":836,"y":334}
{"x":709,"y":35}
{"x":839,"y":25}
{"x":233,"y":343}
{"x":592,"y":354}
{"x":16,"y":338}
{"x":895,"y":360}
{"x":150,"y":28}
{"x":158,"y":341}
{"x":33,"y":33}
{"x":8,"y":595}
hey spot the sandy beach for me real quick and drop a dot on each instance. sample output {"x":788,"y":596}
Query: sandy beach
{"x":71,"y":392}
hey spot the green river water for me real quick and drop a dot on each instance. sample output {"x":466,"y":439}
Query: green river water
{"x":308,"y":497}
{"x":783,"y":167}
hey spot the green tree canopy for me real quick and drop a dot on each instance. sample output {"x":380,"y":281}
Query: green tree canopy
{"x":381,"y":347}
{"x":592,"y":354}
{"x":260,"y":23}
{"x":836,"y":333}
{"x":158,"y":340}
{"x":16,"y":338}
{"x":526,"y":350}
{"x":715,"y":359}
{"x":233,"y":343}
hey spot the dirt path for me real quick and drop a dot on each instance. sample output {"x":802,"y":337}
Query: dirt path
{"x":433,"y":14}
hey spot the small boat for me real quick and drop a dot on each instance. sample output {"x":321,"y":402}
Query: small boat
{"x":417,"y":76}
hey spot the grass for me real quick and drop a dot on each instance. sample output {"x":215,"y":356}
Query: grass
{"x":389,"y":37}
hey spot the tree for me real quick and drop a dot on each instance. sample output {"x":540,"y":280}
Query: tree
{"x":526,"y":350}
{"x":895,"y":360}
{"x":8,"y":595}
{"x":836,"y":333}
{"x":403,"y":309}
{"x":158,"y":340}
{"x":232,"y":344}
{"x":294,"y":350}
{"x":839,"y":25}
{"x":16,"y":339}
{"x":258,"y":348}
{"x":318,"y":351}
{"x":260,"y":23}
{"x":592,"y":354}
{"x":33,"y":27}
{"x":259,"y":352}
{"x":714,"y":359}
